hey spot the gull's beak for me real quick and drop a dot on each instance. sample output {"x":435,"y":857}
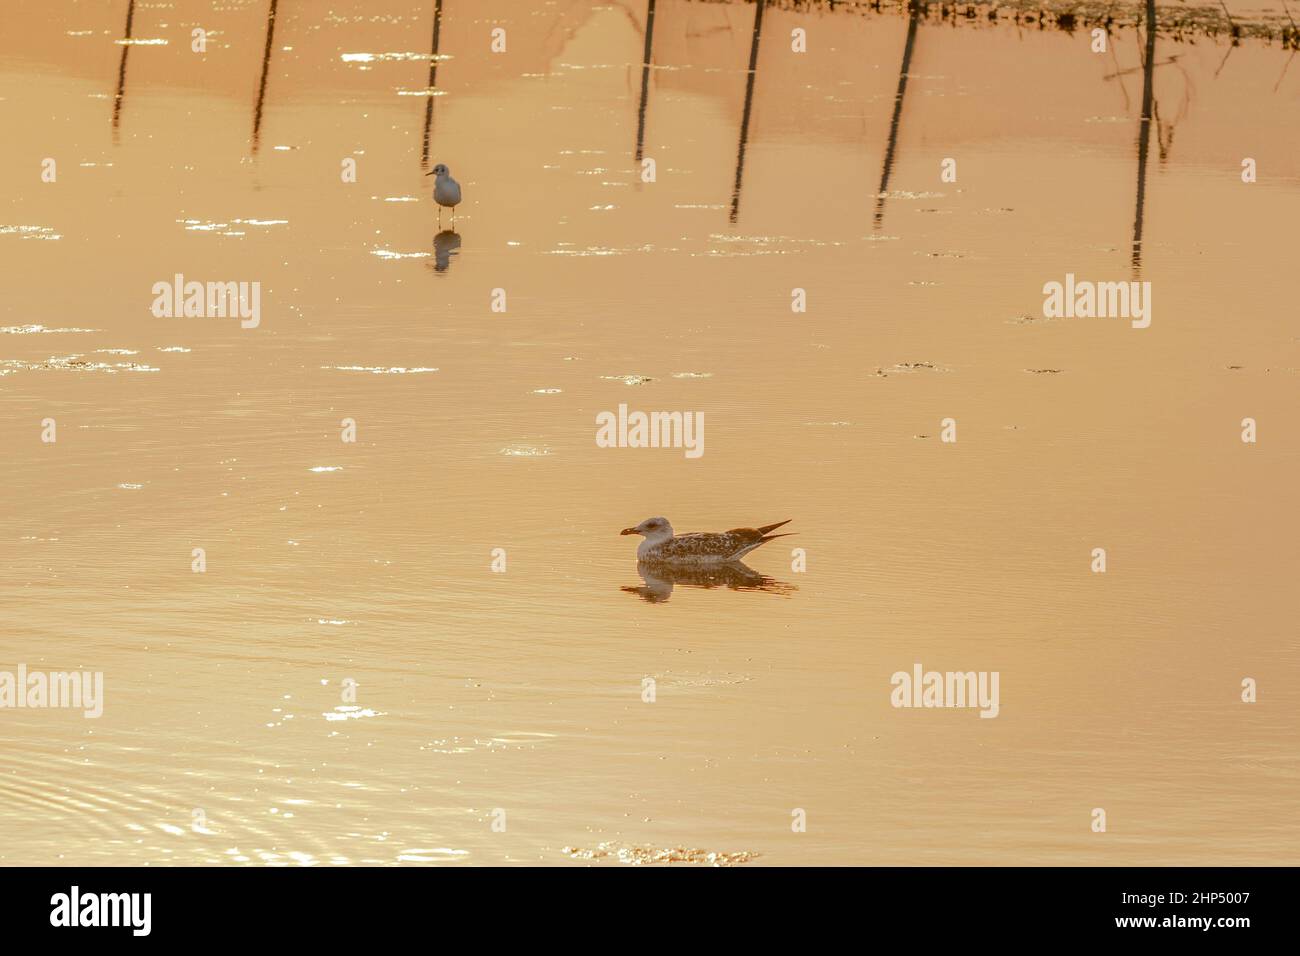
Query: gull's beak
{"x":429,"y":173}
{"x":628,"y":531}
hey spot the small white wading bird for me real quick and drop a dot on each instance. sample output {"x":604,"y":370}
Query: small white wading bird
{"x":706,"y":547}
{"x":446,"y":192}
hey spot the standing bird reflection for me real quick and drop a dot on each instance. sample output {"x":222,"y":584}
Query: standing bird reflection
{"x":446,"y":191}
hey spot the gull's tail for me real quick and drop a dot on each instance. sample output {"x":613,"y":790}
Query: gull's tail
{"x":756,"y":537}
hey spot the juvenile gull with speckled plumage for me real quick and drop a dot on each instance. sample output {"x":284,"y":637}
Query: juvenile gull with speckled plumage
{"x":705,"y":547}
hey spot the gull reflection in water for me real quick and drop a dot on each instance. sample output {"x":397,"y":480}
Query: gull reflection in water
{"x":445,"y":245}
{"x":660,"y":578}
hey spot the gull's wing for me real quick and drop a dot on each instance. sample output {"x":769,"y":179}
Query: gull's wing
{"x":707,"y":544}
{"x":715,"y":545}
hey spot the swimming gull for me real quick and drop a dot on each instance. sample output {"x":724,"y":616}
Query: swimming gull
{"x":706,"y":547}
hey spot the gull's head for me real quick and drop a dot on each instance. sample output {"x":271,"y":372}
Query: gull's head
{"x":440,"y":170}
{"x":654,"y":529}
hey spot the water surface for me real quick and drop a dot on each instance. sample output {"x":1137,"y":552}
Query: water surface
{"x":371,"y":562}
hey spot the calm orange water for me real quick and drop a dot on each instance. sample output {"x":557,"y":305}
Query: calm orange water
{"x":499,"y":717}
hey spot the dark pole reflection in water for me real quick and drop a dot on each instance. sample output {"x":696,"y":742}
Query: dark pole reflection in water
{"x":749,"y":103}
{"x":645,"y":76}
{"x":266,"y":66}
{"x":913,"y":21}
{"x":1144,"y":135}
{"x":121,"y":70}
{"x":433,"y":79}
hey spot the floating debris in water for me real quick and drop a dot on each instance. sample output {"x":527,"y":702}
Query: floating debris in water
{"x":129,"y":486}
{"x":708,"y":681}
{"x":692,"y":375}
{"x":319,"y":468}
{"x":173,"y":348}
{"x":72,"y":363}
{"x":906,"y":194}
{"x":39,"y":330}
{"x":546,"y":391}
{"x":628,"y":379}
{"x":380,"y":369}
{"x":1043,"y":371}
{"x":30,"y":232}
{"x":908,"y":367}
{"x":525,"y":451}
{"x":648,"y":855}
{"x":350,"y":712}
